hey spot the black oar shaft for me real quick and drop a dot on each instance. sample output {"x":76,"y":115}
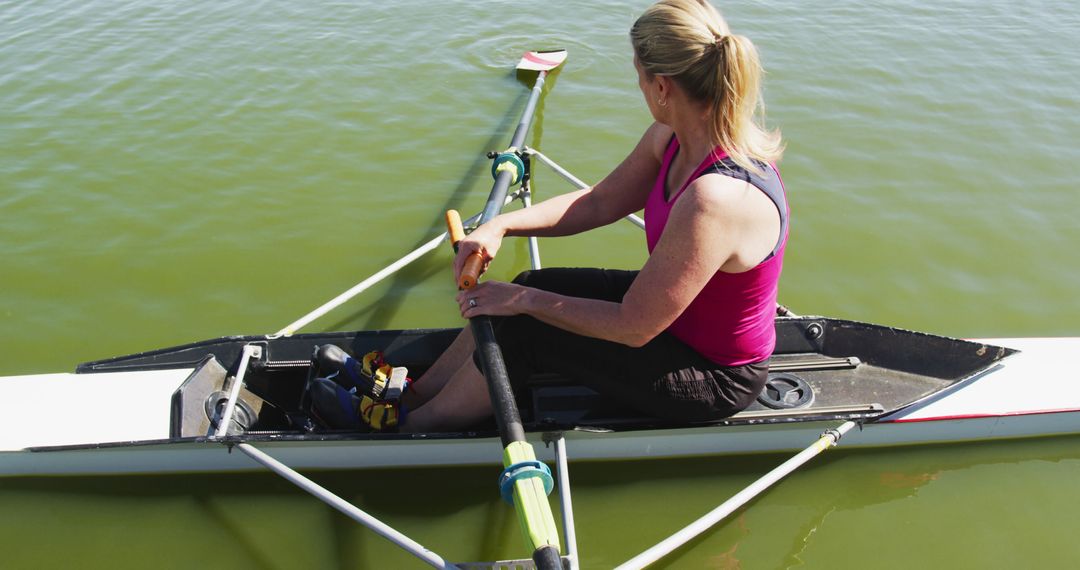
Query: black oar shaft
{"x":497,"y":197}
{"x":507,"y":418}
{"x":518,"y":140}
{"x":502,"y":183}
{"x":503,"y":404}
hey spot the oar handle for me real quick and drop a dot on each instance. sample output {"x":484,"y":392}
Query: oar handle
{"x":474,"y":264}
{"x":454,"y":226}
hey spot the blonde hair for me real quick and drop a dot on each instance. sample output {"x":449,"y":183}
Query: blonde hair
{"x":689,"y":41}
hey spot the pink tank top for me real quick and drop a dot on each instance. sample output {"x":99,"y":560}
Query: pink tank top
{"x":731,"y":320}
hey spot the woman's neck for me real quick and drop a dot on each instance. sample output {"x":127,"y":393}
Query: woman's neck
{"x":695,"y":144}
{"x":690,"y":121}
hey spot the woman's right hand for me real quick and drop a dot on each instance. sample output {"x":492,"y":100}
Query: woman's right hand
{"x":485,"y":241}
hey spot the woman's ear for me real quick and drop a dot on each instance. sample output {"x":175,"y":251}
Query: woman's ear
{"x":663,"y":87}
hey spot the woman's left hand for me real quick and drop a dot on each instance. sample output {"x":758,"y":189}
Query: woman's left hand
{"x":492,"y":298}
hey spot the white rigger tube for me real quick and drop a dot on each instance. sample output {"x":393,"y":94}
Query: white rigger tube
{"x":534,"y":245}
{"x":565,"y":503}
{"x":360,"y":287}
{"x":345,"y":507}
{"x":367,"y":283}
{"x":234,"y":392}
{"x":827,"y":440}
{"x":341,"y":299}
{"x":575,"y":180}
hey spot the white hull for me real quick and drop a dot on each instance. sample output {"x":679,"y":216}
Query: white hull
{"x":1034,"y":393}
{"x":169,"y":457}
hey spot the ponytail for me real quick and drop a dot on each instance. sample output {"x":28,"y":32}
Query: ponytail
{"x":737,"y":107}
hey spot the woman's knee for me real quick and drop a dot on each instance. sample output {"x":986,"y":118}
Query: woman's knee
{"x":524,"y":277}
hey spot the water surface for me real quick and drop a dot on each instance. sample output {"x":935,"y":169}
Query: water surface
{"x":173,"y":171}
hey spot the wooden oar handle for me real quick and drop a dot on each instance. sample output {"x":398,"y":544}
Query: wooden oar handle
{"x":474,"y":264}
{"x":471,"y":272}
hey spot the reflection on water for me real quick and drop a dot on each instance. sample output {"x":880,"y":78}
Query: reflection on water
{"x":838,"y":509}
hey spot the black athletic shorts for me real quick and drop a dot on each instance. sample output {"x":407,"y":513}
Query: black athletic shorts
{"x":665,"y":378}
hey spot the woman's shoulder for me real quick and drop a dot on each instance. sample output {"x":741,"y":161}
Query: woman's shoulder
{"x":714,"y":193}
{"x":728,"y":190}
{"x":658,"y":136}
{"x":730,"y":202}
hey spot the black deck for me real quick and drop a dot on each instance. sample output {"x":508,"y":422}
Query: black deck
{"x":821,"y":369}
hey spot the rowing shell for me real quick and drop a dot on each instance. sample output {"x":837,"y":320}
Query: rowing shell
{"x":154,"y":412}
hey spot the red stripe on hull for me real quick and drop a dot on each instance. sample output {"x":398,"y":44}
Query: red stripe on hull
{"x":980,"y":416}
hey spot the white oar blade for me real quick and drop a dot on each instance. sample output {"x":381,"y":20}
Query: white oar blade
{"x":542,"y":60}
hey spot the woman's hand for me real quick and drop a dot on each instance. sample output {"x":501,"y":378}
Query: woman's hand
{"x":493,"y":298}
{"x":485,"y":241}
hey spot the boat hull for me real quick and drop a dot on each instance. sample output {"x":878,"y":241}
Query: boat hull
{"x":211,"y":456}
{"x":122,"y":415}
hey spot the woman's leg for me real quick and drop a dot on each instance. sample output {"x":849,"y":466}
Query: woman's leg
{"x":453,"y":394}
{"x":463,"y":401}
{"x":664,"y":378}
{"x":446,"y":366}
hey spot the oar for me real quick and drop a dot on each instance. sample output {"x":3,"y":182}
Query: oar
{"x":525,"y":480}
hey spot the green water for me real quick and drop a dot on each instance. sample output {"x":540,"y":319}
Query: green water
{"x":173,"y":171}
{"x":1001,"y":505}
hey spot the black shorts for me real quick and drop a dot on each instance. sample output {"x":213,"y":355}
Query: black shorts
{"x":665,"y":378}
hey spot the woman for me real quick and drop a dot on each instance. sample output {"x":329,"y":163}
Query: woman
{"x":687,"y":337}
